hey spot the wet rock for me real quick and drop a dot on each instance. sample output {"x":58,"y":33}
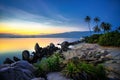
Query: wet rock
{"x":8,"y":61}
{"x":16,"y":58}
{"x":20,"y":70}
{"x":25,"y":55}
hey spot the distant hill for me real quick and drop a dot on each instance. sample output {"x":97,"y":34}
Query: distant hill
{"x":73,"y":34}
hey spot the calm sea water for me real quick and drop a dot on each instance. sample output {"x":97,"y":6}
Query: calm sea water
{"x":10,"y":47}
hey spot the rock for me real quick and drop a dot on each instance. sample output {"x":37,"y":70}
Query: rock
{"x":20,"y":70}
{"x":52,"y":45}
{"x":56,"y":76}
{"x":25,"y":55}
{"x":37,"y":48}
{"x":38,"y":79}
{"x":8,"y":61}
{"x":64,"y":45}
{"x":104,"y":52}
{"x":114,"y":70}
{"x":16,"y":58}
{"x":23,"y":65}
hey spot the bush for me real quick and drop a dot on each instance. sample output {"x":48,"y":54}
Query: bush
{"x":93,"y":39}
{"x":84,"y":71}
{"x":49,"y":64}
{"x":110,"y":39}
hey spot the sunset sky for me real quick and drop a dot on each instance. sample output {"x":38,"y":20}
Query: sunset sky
{"x":29,"y":17}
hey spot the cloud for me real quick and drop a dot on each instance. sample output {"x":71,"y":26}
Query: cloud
{"x":12,"y":13}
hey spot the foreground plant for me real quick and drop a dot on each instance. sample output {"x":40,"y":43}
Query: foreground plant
{"x":49,"y":64}
{"x":84,"y":71}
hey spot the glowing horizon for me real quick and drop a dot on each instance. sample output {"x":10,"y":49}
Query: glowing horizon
{"x":32,"y":28}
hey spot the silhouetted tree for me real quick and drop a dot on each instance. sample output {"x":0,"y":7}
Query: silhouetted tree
{"x":96,"y":19}
{"x":96,"y":29}
{"x":88,"y":19}
{"x":105,"y":26}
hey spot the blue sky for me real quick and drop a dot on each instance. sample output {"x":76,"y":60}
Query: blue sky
{"x":67,"y":15}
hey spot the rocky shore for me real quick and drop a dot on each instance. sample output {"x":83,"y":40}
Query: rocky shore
{"x":23,"y":69}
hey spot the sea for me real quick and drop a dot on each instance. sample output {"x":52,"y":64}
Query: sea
{"x":10,"y":47}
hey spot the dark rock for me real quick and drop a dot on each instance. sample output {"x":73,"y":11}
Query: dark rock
{"x":37,"y":48}
{"x":52,"y":45}
{"x":16,"y":58}
{"x":64,"y":46}
{"x":25,"y":55}
{"x":8,"y":61}
{"x":20,"y":70}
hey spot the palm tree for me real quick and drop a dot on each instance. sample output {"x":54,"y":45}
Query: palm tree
{"x":105,"y":26}
{"x":96,"y":29}
{"x":96,"y":19}
{"x":87,"y":19}
{"x":108,"y":27}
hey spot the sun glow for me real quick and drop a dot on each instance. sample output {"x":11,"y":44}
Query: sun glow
{"x":30,"y":28}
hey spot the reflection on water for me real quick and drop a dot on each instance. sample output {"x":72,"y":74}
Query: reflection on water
{"x":10,"y":47}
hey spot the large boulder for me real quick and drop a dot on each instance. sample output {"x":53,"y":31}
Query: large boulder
{"x":16,"y":58}
{"x":8,"y":61}
{"x":25,"y":55}
{"x":20,"y":70}
{"x":64,"y":45}
{"x":37,"y":48}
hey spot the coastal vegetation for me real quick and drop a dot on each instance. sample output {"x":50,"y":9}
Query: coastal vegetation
{"x":105,"y":35}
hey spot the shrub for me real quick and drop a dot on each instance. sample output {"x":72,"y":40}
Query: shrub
{"x":93,"y":39}
{"x":71,"y":71}
{"x":110,"y":39}
{"x":49,"y":64}
{"x":84,"y":71}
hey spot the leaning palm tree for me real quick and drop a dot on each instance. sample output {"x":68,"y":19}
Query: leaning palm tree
{"x":87,"y":19}
{"x":96,"y":29}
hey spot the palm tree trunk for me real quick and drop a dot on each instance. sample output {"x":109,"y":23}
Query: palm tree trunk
{"x":89,"y":28}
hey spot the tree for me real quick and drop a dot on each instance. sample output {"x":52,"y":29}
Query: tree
{"x":102,"y":25}
{"x":105,"y":26}
{"x":96,"y":29}
{"x":108,"y":27}
{"x":96,"y":19}
{"x":88,"y":19}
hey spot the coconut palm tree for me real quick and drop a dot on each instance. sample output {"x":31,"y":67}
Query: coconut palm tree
{"x":96,"y":19}
{"x":108,"y":27}
{"x":88,"y":19}
{"x":96,"y":29}
{"x":105,"y":26}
